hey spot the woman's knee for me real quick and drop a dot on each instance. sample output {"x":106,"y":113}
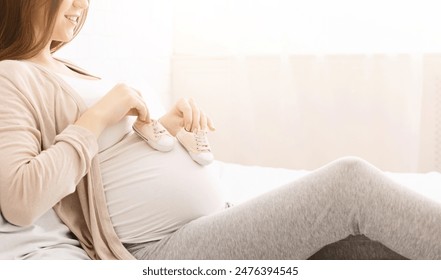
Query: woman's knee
{"x":353,"y":164}
{"x":354,"y":170}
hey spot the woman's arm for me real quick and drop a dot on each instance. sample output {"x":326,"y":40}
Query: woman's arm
{"x":33,"y":179}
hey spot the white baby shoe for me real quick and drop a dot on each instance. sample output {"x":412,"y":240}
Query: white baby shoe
{"x":155,"y":135}
{"x":196,"y":144}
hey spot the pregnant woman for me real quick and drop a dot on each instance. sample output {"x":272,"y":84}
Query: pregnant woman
{"x":77,"y":183}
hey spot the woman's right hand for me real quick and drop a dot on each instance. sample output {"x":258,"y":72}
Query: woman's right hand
{"x":119,"y":102}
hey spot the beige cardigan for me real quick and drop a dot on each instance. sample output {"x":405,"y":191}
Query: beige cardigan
{"x":49,"y":162}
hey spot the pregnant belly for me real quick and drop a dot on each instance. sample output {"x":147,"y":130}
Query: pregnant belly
{"x":150,"y":194}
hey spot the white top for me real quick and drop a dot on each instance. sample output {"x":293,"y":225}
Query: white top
{"x":48,"y":238}
{"x":150,"y":194}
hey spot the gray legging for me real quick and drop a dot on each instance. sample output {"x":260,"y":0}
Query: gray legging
{"x":347,"y":196}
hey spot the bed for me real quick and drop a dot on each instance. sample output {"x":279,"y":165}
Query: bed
{"x":242,"y":182}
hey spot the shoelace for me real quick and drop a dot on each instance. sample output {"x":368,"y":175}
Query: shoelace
{"x":202,"y":141}
{"x":157,"y":130}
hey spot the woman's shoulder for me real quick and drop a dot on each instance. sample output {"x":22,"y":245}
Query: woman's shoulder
{"x":8,"y":64}
{"x":17,"y":69}
{"x":24,"y":73}
{"x":24,"y":76}
{"x":13,"y":64}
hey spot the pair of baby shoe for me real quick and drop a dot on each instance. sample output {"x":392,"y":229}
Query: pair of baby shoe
{"x":157,"y":136}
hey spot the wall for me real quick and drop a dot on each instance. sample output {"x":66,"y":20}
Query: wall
{"x":303,"y":111}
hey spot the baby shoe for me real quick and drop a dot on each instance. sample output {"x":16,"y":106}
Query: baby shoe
{"x":196,"y":144}
{"x":155,"y":135}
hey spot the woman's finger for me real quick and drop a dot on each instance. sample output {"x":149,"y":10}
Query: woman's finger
{"x":144,"y":114}
{"x":203,"y":120}
{"x":210,"y":124}
{"x":140,"y":110}
{"x":140,"y":106}
{"x":184,"y":107}
{"x":196,"y":115}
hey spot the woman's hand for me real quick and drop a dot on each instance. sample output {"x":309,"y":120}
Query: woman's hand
{"x":186,"y":113}
{"x":119,"y":102}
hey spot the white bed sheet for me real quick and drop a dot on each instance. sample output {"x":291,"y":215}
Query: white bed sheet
{"x":242,"y":182}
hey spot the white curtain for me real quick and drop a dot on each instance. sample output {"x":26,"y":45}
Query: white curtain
{"x":296,"y":84}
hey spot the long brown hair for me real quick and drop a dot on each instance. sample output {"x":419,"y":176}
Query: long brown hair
{"x":18,"y":38}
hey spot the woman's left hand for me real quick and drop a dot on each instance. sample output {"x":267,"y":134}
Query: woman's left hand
{"x":186,"y":113}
